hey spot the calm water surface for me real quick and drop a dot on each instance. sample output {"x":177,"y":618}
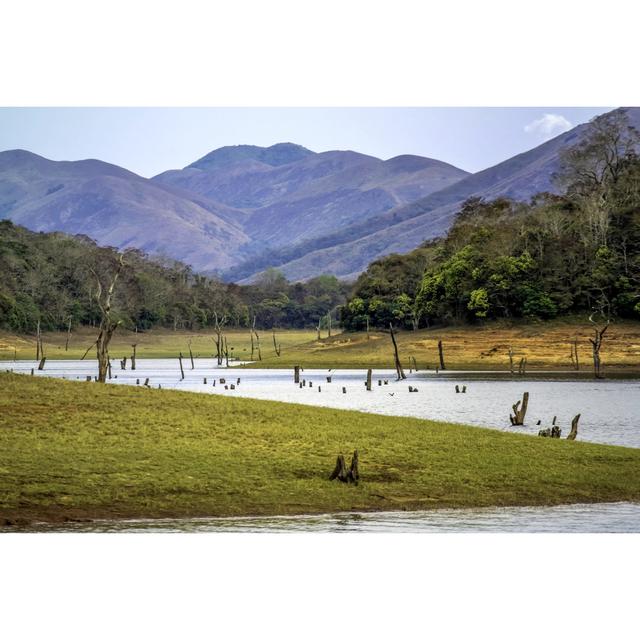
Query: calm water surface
{"x":608,"y":408}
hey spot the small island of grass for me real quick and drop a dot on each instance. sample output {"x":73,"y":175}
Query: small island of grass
{"x":72,"y":450}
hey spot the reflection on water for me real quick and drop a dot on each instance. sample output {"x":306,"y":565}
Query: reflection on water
{"x":608,"y":407}
{"x":619,"y":517}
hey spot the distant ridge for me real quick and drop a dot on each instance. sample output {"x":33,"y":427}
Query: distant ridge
{"x":274,"y":156}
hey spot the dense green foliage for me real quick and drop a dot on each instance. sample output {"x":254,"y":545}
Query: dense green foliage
{"x":384,"y":292}
{"x":552,"y":256}
{"x":53,"y":277}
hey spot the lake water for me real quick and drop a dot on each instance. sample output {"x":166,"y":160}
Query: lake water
{"x":608,"y":408}
{"x":619,"y":517}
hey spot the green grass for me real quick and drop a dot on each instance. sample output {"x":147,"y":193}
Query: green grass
{"x":84,"y":450}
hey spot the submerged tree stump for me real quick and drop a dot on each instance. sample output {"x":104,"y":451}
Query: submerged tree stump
{"x":341,"y":473}
{"x":368,"y":383}
{"x":519,"y":412}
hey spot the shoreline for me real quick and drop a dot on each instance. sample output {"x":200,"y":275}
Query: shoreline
{"x":22,"y":525}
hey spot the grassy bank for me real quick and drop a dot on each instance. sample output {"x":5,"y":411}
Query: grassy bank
{"x":83,"y":450}
{"x":544,"y":345}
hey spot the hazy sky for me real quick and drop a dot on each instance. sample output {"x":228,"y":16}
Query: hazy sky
{"x":151,"y":140}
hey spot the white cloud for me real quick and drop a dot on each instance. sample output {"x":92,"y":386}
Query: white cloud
{"x":549,"y":126}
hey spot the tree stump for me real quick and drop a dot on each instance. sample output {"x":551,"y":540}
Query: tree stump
{"x":550,"y":432}
{"x":341,"y":473}
{"x":296,"y":374}
{"x":368,"y":380}
{"x":519,"y":412}
{"x":574,"y":428}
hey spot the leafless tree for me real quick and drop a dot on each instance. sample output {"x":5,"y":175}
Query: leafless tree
{"x":599,"y":329}
{"x":108,"y":324}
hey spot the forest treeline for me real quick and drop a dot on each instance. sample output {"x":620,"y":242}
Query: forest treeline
{"x":556,"y":255}
{"x":553,"y":256}
{"x":52,"y":278}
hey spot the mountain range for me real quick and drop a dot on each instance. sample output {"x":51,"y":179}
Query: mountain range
{"x":239,"y":210}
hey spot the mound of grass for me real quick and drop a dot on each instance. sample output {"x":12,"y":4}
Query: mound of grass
{"x":84,"y":450}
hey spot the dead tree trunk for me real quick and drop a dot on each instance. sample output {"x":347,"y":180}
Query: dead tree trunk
{"x":369,"y":379}
{"x":107,"y":324}
{"x":258,"y":345}
{"x":329,"y":323}
{"x":574,"y":355}
{"x":181,"y":368}
{"x":276,"y":346}
{"x":399,"y":369}
{"x":441,"y":355}
{"x":219,"y":337}
{"x":519,"y":412}
{"x":318,"y":330}
{"x":191,"y":356}
{"x":133,"y":357}
{"x":340,"y":472}
{"x":296,"y":374}
{"x":66,"y":344}
{"x":41,"y":365}
{"x":522,"y":367}
{"x":252,"y":345}
{"x":596,"y":344}
{"x":38,"y":354}
{"x":574,"y":428}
